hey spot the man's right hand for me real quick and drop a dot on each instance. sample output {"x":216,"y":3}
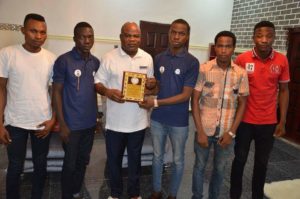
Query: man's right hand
{"x":64,"y":133}
{"x":202,"y":140}
{"x":114,"y":95}
{"x":4,"y":136}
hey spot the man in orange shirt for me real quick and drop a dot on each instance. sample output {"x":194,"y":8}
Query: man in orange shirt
{"x":267,"y":71}
{"x":218,"y":104}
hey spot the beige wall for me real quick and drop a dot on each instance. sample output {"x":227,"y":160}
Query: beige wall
{"x":206,"y":17}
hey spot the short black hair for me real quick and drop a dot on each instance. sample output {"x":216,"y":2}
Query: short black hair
{"x":82,"y":24}
{"x":263,"y":24}
{"x":226,"y":33}
{"x":182,"y":21}
{"x":33,"y":16}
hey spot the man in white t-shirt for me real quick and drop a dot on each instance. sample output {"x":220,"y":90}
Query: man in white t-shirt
{"x":125,"y":121}
{"x":25,"y":72}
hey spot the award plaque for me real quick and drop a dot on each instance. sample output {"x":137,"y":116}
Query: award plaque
{"x":133,"y":88}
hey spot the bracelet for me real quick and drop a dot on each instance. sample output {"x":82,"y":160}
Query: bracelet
{"x":231,"y":134}
{"x":155,"y":103}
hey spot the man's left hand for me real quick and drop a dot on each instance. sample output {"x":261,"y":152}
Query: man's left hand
{"x":280,"y":130}
{"x":225,"y":140}
{"x":150,"y":86}
{"x":46,"y":127}
{"x":147,"y":103}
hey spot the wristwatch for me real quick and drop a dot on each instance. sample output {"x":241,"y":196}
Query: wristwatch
{"x":231,"y":134}
{"x":155,"y":103}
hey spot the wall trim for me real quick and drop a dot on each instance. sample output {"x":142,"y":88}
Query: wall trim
{"x":10,"y":27}
{"x":107,"y":40}
{"x":110,"y":40}
{"x":97,"y":38}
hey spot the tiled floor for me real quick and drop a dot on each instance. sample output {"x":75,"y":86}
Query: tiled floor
{"x":284,"y":164}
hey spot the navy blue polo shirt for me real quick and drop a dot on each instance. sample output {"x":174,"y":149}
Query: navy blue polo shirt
{"x":79,"y":96}
{"x":173,"y":73}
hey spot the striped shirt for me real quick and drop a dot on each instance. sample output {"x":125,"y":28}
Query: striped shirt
{"x":219,"y":95}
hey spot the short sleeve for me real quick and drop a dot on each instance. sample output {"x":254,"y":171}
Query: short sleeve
{"x":244,"y":84}
{"x":4,"y":64}
{"x":156,"y":68}
{"x":150,"y":72}
{"x":102,"y":74}
{"x":200,"y":80}
{"x":285,"y":74}
{"x":238,"y":61}
{"x":59,"y":70}
{"x":192,"y":74}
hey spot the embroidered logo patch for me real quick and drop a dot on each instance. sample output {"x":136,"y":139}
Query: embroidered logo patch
{"x":162,"y":69}
{"x":275,"y":69}
{"x":250,"y":67}
{"x":177,"y":71}
{"x":143,"y":67}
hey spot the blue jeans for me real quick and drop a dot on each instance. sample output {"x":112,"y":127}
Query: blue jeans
{"x":178,"y":137}
{"x":16,"y":152}
{"x":220,"y":160}
{"x":263,"y":139}
{"x":77,"y":157}
{"x":116,"y":142}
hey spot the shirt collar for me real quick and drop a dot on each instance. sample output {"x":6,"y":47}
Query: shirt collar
{"x":182,"y":53}
{"x":255,"y":55}
{"x":123,"y":53}
{"x":215,"y":65}
{"x":77,"y":55}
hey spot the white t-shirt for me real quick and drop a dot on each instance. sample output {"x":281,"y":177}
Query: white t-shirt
{"x":28,"y":101}
{"x":123,"y":117}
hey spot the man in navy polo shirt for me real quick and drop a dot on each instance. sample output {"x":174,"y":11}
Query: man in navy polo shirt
{"x":75,"y":102}
{"x":176,"y":71}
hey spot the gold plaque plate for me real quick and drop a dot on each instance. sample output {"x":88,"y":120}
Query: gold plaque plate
{"x":133,"y":88}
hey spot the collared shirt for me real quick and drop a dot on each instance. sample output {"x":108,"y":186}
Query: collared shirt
{"x":264,"y":76}
{"x":219,"y":95}
{"x":124,"y":117}
{"x":79,"y":96}
{"x":173,"y":73}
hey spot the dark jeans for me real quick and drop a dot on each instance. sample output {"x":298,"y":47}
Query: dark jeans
{"x":16,"y":152}
{"x":263,"y":139}
{"x":116,"y":142}
{"x":77,"y":157}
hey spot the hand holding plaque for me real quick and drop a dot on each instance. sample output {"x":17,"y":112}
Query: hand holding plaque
{"x":133,"y":88}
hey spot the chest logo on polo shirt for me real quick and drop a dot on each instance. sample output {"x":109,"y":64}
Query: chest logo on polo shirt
{"x":177,"y":71}
{"x":143,"y":67}
{"x":250,"y":67}
{"x":77,"y":73}
{"x":275,"y":69}
{"x":162,"y":69}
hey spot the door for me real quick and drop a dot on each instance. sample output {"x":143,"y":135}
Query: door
{"x":293,"y":115}
{"x":155,"y":37}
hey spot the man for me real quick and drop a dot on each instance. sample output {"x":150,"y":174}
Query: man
{"x":222,"y":89}
{"x":75,"y":101}
{"x":268,"y":74}
{"x":176,"y":70}
{"x":25,"y":72}
{"x":125,"y":121}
